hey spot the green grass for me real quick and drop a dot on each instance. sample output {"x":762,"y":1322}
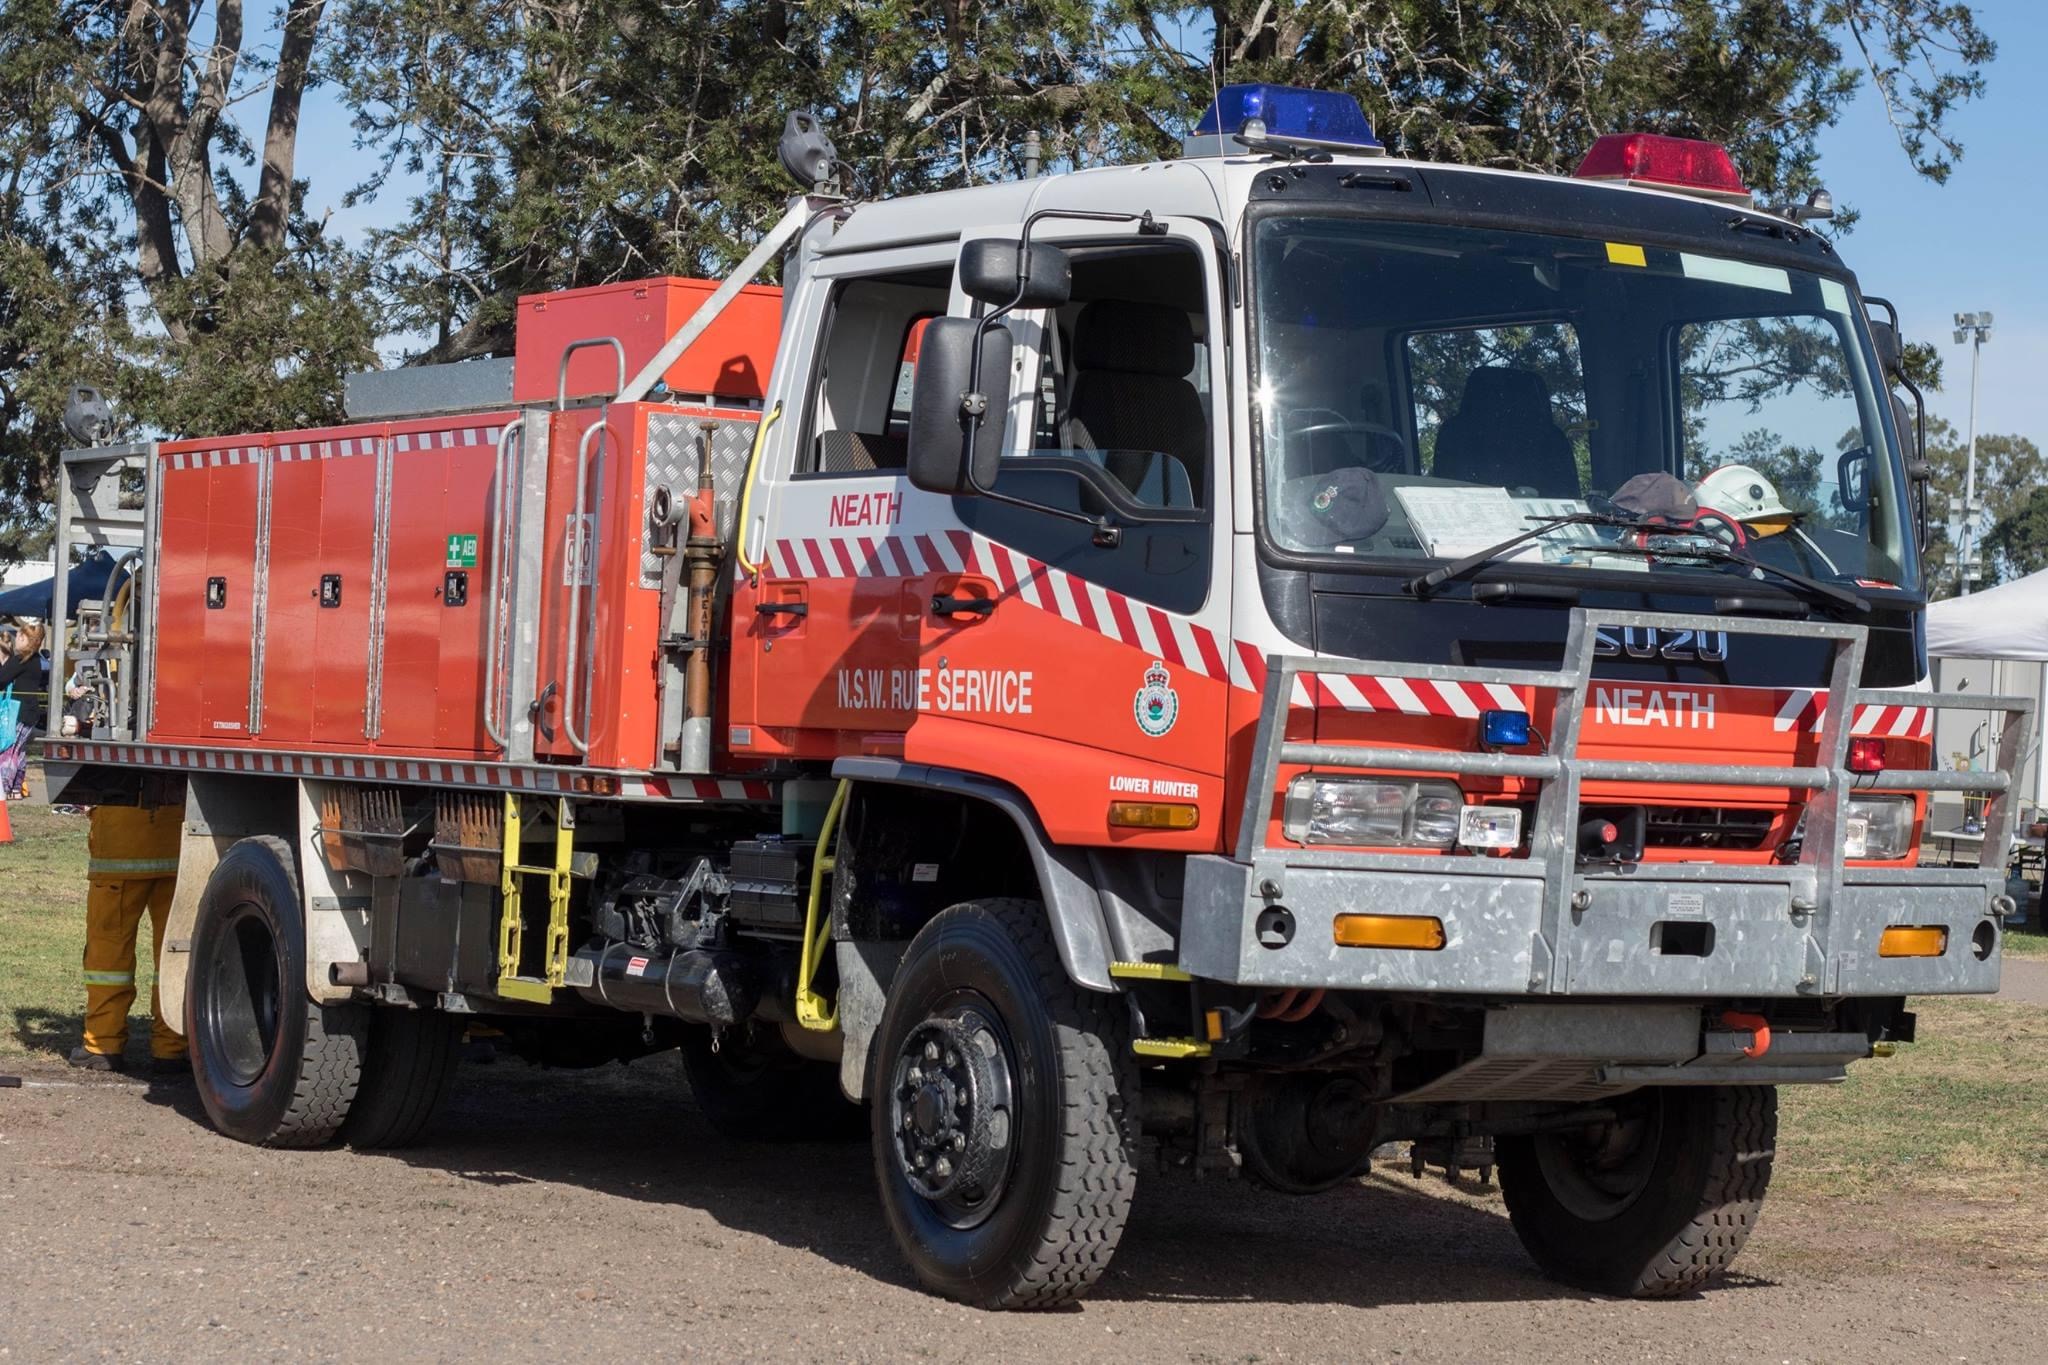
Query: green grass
{"x":42,"y":938}
{"x":2030,"y":943}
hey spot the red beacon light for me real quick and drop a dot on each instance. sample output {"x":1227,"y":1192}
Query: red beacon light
{"x":1681,"y":164}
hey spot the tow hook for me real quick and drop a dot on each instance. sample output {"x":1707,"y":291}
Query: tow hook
{"x":1758,"y":1027}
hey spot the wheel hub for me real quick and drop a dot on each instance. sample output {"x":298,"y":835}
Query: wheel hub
{"x":950,"y":1111}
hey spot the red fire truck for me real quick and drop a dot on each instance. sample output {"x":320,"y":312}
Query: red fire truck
{"x":1261,"y":655}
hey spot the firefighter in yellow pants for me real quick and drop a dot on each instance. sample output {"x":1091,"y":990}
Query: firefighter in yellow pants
{"x":133,"y":868}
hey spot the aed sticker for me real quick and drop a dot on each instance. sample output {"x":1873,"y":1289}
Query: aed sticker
{"x":924,"y":872}
{"x":461,"y":552}
{"x":1625,"y":253}
{"x":1157,"y":705}
{"x":636,"y":966}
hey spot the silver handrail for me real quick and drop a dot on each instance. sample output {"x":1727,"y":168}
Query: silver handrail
{"x":562,"y":368}
{"x":579,"y":699}
{"x":503,"y":510}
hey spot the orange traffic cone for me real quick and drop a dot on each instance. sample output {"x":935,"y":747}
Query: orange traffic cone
{"x":6,"y":830}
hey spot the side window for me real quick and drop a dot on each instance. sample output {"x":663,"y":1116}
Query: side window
{"x":1123,"y":417}
{"x":860,"y":395}
{"x":1503,"y":406}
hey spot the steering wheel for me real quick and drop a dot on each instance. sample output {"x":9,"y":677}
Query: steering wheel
{"x":1350,"y":426}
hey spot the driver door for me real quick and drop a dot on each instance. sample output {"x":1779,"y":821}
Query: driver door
{"x":1084,"y":667}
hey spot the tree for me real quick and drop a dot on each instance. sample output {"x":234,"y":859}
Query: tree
{"x":2018,"y":543}
{"x":2009,"y":470}
{"x":132,"y":253}
{"x":151,"y":230}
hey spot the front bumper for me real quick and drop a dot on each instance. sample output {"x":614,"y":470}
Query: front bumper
{"x":1544,"y":925}
{"x":1499,"y":941}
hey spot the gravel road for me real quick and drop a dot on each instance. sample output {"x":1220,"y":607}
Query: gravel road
{"x":552,"y":1213}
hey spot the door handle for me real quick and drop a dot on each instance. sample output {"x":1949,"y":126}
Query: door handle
{"x":796,"y":609}
{"x":945,"y":604}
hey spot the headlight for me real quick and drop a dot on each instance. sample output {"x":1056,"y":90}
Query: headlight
{"x":1372,"y":813}
{"x":1877,"y":826}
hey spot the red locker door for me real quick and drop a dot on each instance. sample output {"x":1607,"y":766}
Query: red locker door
{"x":437,"y":584}
{"x":347,"y":458}
{"x":292,"y":610}
{"x":180,"y":626}
{"x":206,"y":594}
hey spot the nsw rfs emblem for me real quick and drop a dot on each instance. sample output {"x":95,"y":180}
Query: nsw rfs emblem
{"x":1157,"y":705}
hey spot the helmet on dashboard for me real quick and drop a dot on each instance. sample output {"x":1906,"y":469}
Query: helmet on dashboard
{"x":1741,"y":494}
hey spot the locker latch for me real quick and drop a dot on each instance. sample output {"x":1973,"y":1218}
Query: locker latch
{"x":330,"y":590}
{"x":455,"y":588}
{"x":216,"y":593}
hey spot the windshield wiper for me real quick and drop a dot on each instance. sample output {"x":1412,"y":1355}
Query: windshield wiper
{"x":1422,"y":585}
{"x":1811,"y":588}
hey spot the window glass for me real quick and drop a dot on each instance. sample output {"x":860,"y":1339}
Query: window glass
{"x":1426,"y":392}
{"x":1121,"y":419}
{"x":860,"y":402}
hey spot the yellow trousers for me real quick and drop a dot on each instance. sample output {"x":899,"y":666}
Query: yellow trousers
{"x":113,"y":914}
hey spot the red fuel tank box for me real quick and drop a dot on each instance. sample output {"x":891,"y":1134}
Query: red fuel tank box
{"x":730,"y":360}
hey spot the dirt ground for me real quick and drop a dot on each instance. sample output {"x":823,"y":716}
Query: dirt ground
{"x":550,"y":1213}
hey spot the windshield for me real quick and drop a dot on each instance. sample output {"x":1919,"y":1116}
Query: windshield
{"x":1424,"y":392}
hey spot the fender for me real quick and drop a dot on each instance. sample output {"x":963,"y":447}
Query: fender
{"x":1070,"y":898}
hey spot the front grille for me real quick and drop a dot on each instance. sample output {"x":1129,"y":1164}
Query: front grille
{"x":1707,"y":827}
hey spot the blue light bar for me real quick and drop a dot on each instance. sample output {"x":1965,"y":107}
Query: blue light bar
{"x":1291,"y":114}
{"x":1503,"y":729}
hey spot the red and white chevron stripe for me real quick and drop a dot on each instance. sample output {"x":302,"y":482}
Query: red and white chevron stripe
{"x":445,"y":439}
{"x":325,"y":450}
{"x":215,"y":458}
{"x":1804,"y":709}
{"x":1174,"y":639}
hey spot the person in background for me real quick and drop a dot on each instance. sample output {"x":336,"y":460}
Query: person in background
{"x":26,"y":671}
{"x":133,"y":869}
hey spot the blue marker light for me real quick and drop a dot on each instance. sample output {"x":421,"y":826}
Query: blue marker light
{"x":1313,"y":117}
{"x":1503,"y":729}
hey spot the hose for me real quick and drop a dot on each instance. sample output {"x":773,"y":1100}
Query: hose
{"x":748,"y":566}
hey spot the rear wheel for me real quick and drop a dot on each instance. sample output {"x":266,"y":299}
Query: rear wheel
{"x":406,"y":1075}
{"x":1654,"y":1204}
{"x":756,"y":1089}
{"x":1004,"y":1099}
{"x":272,"y":1067}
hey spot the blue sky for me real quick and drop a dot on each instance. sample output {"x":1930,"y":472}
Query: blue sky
{"x":1975,"y":244}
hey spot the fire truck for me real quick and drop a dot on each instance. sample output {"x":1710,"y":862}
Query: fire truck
{"x":1217,"y":665}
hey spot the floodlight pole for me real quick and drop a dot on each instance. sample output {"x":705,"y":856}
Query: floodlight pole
{"x":1976,"y":329}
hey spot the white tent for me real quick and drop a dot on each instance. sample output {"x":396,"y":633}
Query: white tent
{"x":2006,"y":622}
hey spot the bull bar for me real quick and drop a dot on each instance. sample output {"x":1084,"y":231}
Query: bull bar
{"x":1546,"y":926}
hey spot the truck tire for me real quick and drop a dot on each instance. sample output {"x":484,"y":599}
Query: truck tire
{"x":272,"y":1067}
{"x":1654,"y":1205}
{"x":406,"y":1074}
{"x":1004,"y":1112}
{"x":756,"y":1090}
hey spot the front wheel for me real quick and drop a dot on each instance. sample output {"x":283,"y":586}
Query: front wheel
{"x":1004,"y":1099}
{"x":1652,"y":1204}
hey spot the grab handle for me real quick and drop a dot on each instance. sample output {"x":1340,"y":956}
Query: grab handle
{"x":576,"y":688}
{"x":504,"y":511}
{"x":562,"y":370}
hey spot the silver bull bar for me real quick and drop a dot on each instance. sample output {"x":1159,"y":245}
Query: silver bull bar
{"x":1545,"y":926}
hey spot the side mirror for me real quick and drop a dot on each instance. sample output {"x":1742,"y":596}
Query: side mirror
{"x":1891,"y":355}
{"x":1852,"y":479}
{"x":945,"y":403}
{"x":989,"y":273}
